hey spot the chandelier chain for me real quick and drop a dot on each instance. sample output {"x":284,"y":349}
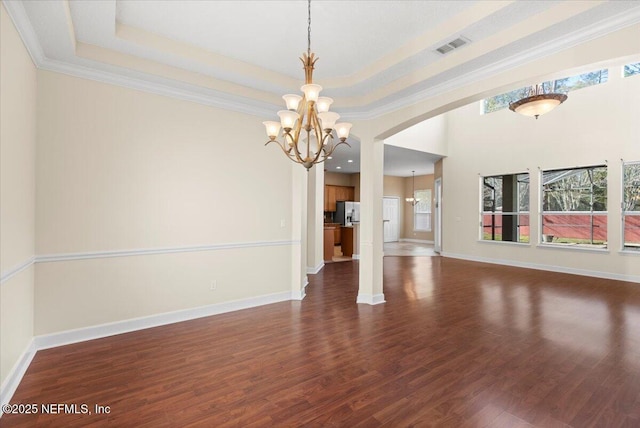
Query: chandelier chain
{"x":309,"y":28}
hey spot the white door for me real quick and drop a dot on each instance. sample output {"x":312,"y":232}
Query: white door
{"x":390,"y":210}
{"x":438,"y":223}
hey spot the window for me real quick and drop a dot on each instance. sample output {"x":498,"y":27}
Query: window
{"x":505,"y":208}
{"x":631,"y":69}
{"x":631,"y":205}
{"x":563,"y":85}
{"x":422,"y":211}
{"x":574,"y":206}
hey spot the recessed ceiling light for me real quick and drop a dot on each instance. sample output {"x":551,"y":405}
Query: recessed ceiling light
{"x":338,"y":167}
{"x":350,"y":161}
{"x":330,"y":157}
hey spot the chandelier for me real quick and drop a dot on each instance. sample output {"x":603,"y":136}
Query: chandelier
{"x":413,"y":200}
{"x":537,"y":102}
{"x":307,"y":125}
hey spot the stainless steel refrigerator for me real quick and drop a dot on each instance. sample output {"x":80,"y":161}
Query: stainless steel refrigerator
{"x":347,"y":212}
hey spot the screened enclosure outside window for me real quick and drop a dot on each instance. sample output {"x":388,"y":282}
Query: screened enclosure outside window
{"x":505,"y":208}
{"x":422,"y":211}
{"x":631,"y":205}
{"x":574,"y":206}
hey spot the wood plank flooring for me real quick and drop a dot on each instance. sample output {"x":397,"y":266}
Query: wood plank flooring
{"x":458,"y":344}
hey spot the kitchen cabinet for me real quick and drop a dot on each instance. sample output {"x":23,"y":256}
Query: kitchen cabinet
{"x":347,"y":241}
{"x":328,"y":243}
{"x":329,"y":198}
{"x":337,"y":233}
{"x":332,"y":194}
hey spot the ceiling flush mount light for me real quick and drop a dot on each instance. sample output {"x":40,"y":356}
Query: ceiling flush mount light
{"x":413,"y":200}
{"x":537,"y":102}
{"x":308,"y":127}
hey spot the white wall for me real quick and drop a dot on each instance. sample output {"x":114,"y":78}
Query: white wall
{"x":595,"y":125}
{"x":427,"y":136}
{"x":17,"y":195}
{"x":123,"y":170}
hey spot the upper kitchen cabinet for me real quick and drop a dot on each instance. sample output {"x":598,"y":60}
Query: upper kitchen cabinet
{"x":332,"y":194}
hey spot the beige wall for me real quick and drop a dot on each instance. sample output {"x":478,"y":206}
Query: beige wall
{"x":595,"y":125}
{"x":401,"y":188}
{"x":337,"y":179}
{"x":119,"y":169}
{"x":18,"y":86}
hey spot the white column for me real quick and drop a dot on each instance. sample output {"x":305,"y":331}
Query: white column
{"x":298,"y":231}
{"x":315,"y":219}
{"x":371,"y":194}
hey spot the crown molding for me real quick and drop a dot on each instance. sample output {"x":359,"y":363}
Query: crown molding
{"x":184,"y":91}
{"x":165,"y":87}
{"x":17,"y":13}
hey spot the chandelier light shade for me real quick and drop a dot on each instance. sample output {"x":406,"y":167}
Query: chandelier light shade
{"x":413,"y":200}
{"x":537,"y":102}
{"x":308,"y":127}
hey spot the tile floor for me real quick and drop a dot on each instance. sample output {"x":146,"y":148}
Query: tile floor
{"x":408,"y":249}
{"x":394,"y":249}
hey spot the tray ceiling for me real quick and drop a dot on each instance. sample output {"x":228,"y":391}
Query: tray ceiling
{"x":375,"y":56}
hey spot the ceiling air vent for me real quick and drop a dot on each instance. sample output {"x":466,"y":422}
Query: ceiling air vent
{"x":453,"y":44}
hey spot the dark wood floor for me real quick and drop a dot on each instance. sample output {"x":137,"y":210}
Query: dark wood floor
{"x":457,"y":344}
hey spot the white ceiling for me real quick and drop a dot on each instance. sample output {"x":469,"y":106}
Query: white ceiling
{"x":375,"y":56}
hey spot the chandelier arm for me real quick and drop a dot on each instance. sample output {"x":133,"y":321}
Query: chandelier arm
{"x":298,"y":126}
{"x":320,"y":137}
{"x":336,"y":146}
{"x":279,"y":144}
{"x":296,"y":151}
{"x":319,"y":152}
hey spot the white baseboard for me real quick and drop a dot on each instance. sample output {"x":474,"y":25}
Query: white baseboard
{"x":369,"y":299}
{"x":68,"y":337}
{"x":300,"y":295}
{"x":419,"y":241}
{"x":315,"y":270}
{"x":110,"y":329}
{"x":14,"y":378}
{"x":550,"y":268}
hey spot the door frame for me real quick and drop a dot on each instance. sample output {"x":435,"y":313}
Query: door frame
{"x":437,"y":247}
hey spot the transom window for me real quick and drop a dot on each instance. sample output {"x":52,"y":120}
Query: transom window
{"x":631,"y":69}
{"x":564,"y":85}
{"x":574,"y":206}
{"x":505,"y":208}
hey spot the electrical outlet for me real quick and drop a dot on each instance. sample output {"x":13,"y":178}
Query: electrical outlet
{"x":282,"y":222}
{"x":214,"y":285}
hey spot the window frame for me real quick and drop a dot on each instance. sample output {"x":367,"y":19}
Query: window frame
{"x":428,"y":211}
{"x":542,"y":213}
{"x":518,"y":213}
{"x":626,"y":213}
